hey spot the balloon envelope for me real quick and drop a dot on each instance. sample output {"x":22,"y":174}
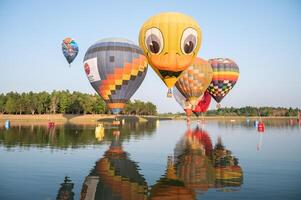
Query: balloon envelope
{"x":70,"y":49}
{"x":170,"y":42}
{"x":203,"y":104}
{"x":115,"y":68}
{"x":225,"y":75}
{"x":182,"y":101}
{"x":195,"y":80}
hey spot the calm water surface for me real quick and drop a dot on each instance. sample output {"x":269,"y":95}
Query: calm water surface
{"x":153,"y":160}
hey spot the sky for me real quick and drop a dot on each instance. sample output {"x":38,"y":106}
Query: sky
{"x":262,"y":37}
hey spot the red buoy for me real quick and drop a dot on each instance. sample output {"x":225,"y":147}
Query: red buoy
{"x":50,"y":124}
{"x":260,"y":127}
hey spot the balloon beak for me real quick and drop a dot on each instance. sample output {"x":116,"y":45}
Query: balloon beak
{"x":171,"y":61}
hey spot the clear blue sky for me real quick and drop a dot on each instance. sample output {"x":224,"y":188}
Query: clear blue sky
{"x":263,"y":37}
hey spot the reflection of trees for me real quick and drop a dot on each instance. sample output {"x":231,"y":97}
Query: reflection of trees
{"x":133,"y":128}
{"x":65,"y":136}
{"x":41,"y":136}
{"x":65,"y":192}
{"x":201,"y":167}
{"x":170,"y":186}
{"x":114,"y":176}
{"x":270,"y":123}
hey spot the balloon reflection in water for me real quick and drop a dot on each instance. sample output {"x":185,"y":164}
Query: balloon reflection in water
{"x":114,"y":176}
{"x":200,"y":166}
{"x":193,"y":160}
{"x":65,"y":192}
{"x":227,"y":171}
{"x":170,"y":186}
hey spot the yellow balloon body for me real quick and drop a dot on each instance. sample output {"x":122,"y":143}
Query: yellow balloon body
{"x":170,"y":42}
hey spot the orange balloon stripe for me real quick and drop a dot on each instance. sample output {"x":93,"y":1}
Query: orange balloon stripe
{"x":225,"y":77}
{"x":121,"y":74}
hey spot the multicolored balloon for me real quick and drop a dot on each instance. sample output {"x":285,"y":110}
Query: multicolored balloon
{"x":115,"y":68}
{"x":195,"y":80}
{"x":225,"y":75}
{"x":70,"y":49}
{"x":203,"y":104}
{"x":170,"y":42}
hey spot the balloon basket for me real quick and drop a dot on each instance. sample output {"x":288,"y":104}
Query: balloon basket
{"x":169,"y":93}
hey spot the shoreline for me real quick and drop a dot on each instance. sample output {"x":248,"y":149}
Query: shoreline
{"x":95,"y":118}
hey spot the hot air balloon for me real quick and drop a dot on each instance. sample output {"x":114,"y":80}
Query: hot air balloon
{"x":183,"y":103}
{"x":66,"y":190}
{"x":195,"y":80}
{"x":225,"y":75}
{"x":170,"y":42}
{"x":115,"y":68}
{"x":70,"y":49}
{"x":203,"y":104}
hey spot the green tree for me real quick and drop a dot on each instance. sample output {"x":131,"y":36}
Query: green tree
{"x":2,"y":103}
{"x":54,"y":101}
{"x":86,"y":104}
{"x":10,"y":106}
{"x":64,"y":101}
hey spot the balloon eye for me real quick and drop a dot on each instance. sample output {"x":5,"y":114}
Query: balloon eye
{"x":154,"y":40}
{"x":189,"y":41}
{"x":153,"y":46}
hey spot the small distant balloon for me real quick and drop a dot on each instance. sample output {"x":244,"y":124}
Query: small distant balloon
{"x":70,"y":49}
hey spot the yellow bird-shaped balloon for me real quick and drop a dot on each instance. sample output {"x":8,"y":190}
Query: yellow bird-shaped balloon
{"x":170,"y":42}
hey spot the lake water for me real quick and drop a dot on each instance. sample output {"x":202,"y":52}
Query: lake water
{"x":153,"y":160}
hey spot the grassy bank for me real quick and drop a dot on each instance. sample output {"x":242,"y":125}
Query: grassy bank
{"x":61,"y":119}
{"x":95,"y":118}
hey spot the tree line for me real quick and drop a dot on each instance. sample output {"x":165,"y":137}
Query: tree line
{"x":248,"y":111}
{"x":255,"y":111}
{"x":65,"y":102}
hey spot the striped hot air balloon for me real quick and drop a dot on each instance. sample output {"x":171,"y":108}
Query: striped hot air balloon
{"x":225,"y":75}
{"x":115,"y":68}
